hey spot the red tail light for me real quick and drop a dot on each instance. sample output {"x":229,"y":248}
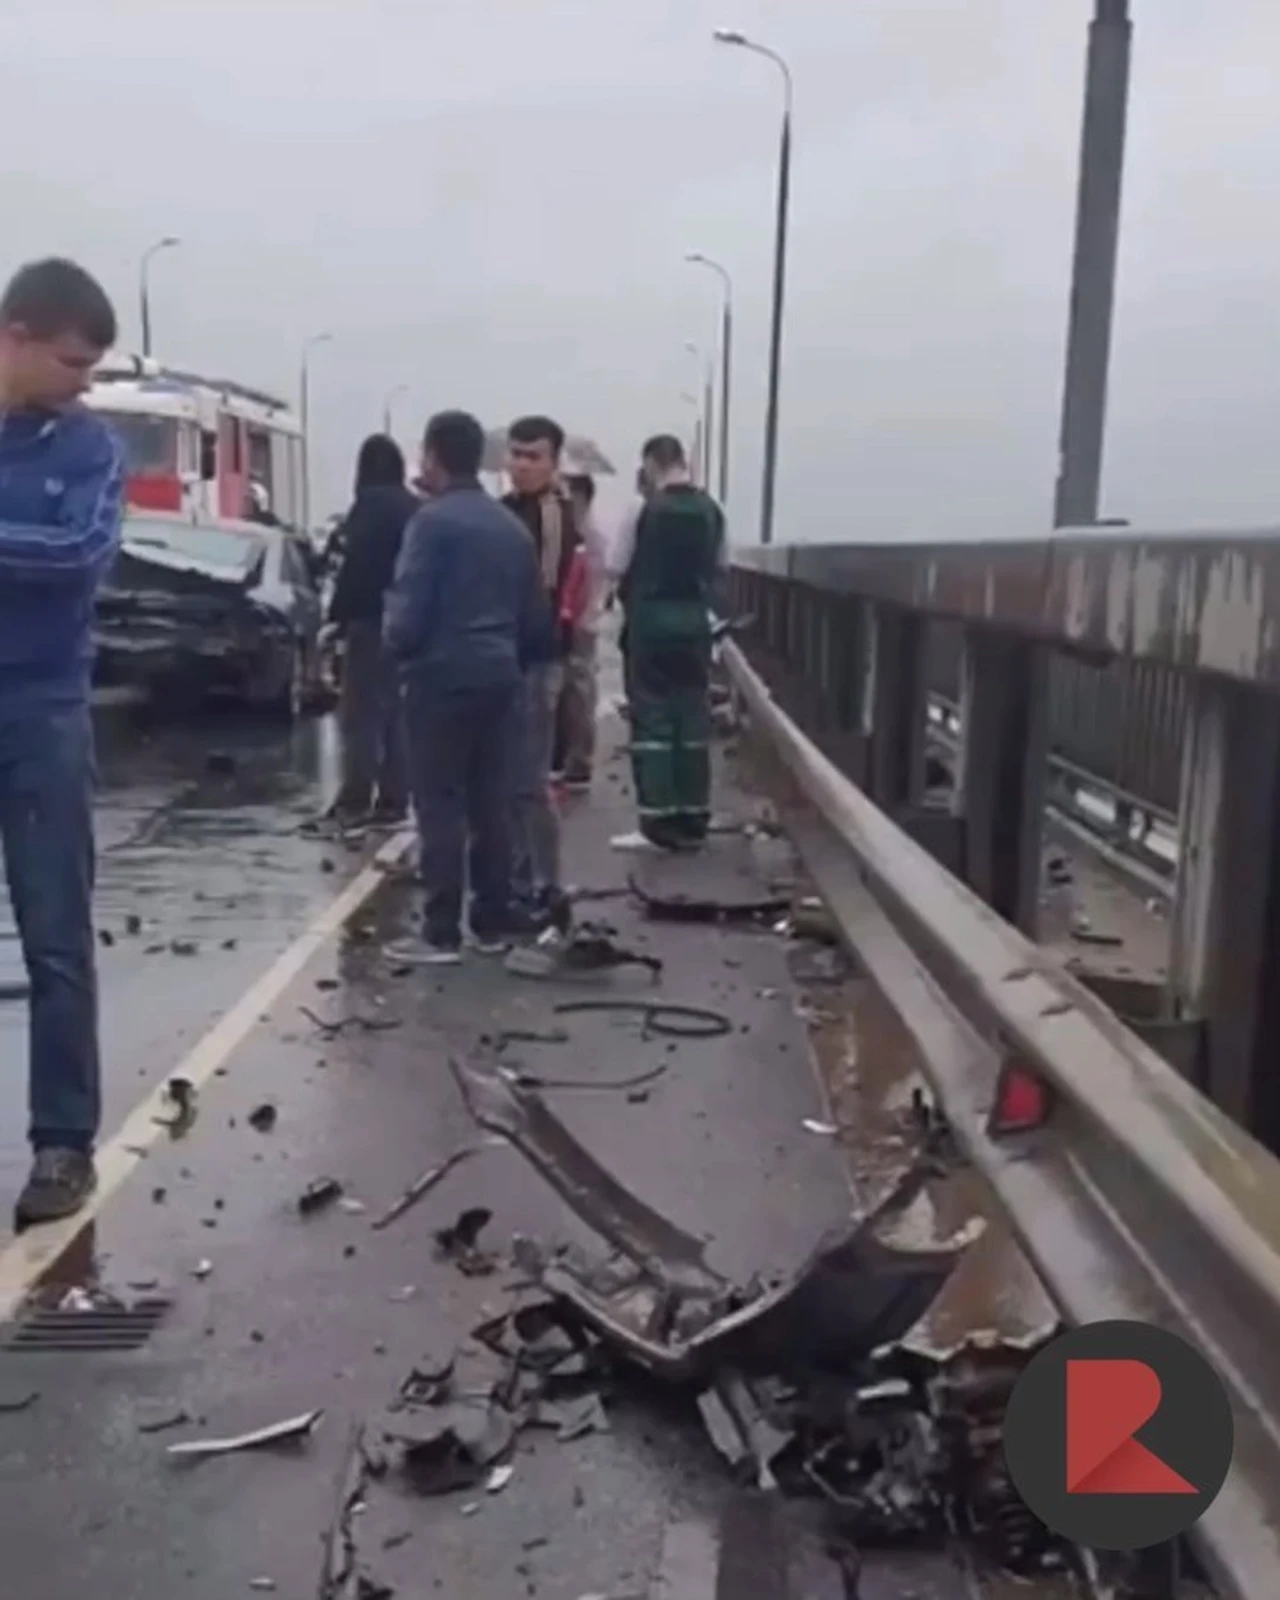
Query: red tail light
{"x":1023,"y":1101}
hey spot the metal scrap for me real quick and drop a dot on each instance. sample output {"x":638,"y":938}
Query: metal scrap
{"x":292,"y":1430}
{"x":691,"y":908}
{"x":426,"y":1183}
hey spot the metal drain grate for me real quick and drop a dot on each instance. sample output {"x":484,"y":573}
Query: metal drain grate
{"x":55,"y":1331}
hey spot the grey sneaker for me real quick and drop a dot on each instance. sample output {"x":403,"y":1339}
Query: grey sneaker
{"x":60,"y":1184}
{"x":421,"y":953}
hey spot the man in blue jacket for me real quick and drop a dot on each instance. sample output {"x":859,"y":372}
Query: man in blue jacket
{"x":465,"y":618}
{"x":61,"y":491}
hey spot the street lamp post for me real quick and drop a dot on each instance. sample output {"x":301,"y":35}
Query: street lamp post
{"x":144,"y":295}
{"x":304,"y":417}
{"x":726,"y":360}
{"x":1077,"y":492}
{"x":703,"y":460}
{"x":695,"y":445}
{"x":731,"y":36}
{"x":392,"y":396}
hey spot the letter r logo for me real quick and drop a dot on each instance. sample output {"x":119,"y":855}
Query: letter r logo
{"x":1107,"y":1402}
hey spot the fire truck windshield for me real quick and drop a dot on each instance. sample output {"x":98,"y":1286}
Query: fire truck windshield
{"x":150,"y":443}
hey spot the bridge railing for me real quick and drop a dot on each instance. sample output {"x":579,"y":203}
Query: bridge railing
{"x":1151,"y":662}
{"x":1141,"y":1180}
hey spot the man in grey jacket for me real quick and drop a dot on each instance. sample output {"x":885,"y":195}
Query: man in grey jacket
{"x":466,"y":617}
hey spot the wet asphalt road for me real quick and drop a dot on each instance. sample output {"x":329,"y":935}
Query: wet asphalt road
{"x":198,"y":836}
{"x":296,"y":1314}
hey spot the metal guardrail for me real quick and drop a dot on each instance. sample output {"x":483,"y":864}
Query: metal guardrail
{"x":1136,"y":1198}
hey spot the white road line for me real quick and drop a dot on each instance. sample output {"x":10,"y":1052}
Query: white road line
{"x":26,"y":1258}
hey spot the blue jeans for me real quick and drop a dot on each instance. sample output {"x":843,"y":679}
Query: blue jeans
{"x":460,"y":758}
{"x":535,"y":827}
{"x":47,"y":780}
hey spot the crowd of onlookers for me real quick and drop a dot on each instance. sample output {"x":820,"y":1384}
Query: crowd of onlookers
{"x":468,"y":626}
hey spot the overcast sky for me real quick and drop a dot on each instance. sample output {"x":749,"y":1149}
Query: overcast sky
{"x":490,"y":200}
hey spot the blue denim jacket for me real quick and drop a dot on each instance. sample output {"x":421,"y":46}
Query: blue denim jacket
{"x":467,"y":609}
{"x":61,"y":497}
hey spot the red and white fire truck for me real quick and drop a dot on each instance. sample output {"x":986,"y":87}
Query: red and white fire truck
{"x":201,"y":447}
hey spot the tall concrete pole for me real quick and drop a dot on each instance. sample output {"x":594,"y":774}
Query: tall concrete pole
{"x":1077,"y":494}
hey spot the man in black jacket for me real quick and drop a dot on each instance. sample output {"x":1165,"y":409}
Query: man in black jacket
{"x":466,"y":620}
{"x":369,"y":715}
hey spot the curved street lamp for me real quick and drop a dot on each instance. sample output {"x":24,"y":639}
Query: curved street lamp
{"x":696,"y":258}
{"x":304,"y":418}
{"x":169,"y":242}
{"x":733,"y":37}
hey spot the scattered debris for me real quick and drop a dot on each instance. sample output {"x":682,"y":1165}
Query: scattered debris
{"x":159,"y":1419}
{"x":182,"y":1093}
{"x":106,"y":938}
{"x":184,"y":947}
{"x":133,"y":924}
{"x":331,"y":1028}
{"x":319,"y":1195}
{"x":659,"y":1018}
{"x":13,"y":1401}
{"x":202,"y":1269}
{"x":813,"y":1125}
{"x":263,"y":1585}
{"x":460,"y":1243}
{"x":499,"y":1478}
{"x":536,"y":1080}
{"x":688,"y":908}
{"x":1083,"y":934}
{"x":427,"y":1182}
{"x":291,"y":1431}
{"x":591,"y":948}
{"x":263,"y":1117}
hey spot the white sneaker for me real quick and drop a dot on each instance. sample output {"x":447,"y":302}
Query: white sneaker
{"x":635,"y":842}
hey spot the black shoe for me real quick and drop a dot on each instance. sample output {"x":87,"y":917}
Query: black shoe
{"x":60,"y":1184}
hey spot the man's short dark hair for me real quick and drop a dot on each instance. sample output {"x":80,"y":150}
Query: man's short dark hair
{"x":582,"y":484}
{"x":665,"y":451}
{"x":53,"y":297}
{"x":456,"y":440}
{"x":533,"y":430}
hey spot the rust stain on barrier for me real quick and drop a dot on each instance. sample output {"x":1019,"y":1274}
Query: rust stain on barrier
{"x":1203,"y":601}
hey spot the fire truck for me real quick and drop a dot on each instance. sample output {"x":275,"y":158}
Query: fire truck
{"x":201,"y":447}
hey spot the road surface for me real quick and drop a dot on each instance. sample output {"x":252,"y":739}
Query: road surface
{"x":255,"y":940}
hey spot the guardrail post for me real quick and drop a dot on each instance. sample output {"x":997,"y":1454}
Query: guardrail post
{"x":1000,"y":769}
{"x":1225,"y":935}
{"x":897,"y":700}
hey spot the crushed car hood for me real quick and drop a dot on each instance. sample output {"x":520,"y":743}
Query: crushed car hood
{"x":155,"y":570}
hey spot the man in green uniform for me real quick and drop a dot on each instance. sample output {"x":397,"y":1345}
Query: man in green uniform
{"x":666,"y":565}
